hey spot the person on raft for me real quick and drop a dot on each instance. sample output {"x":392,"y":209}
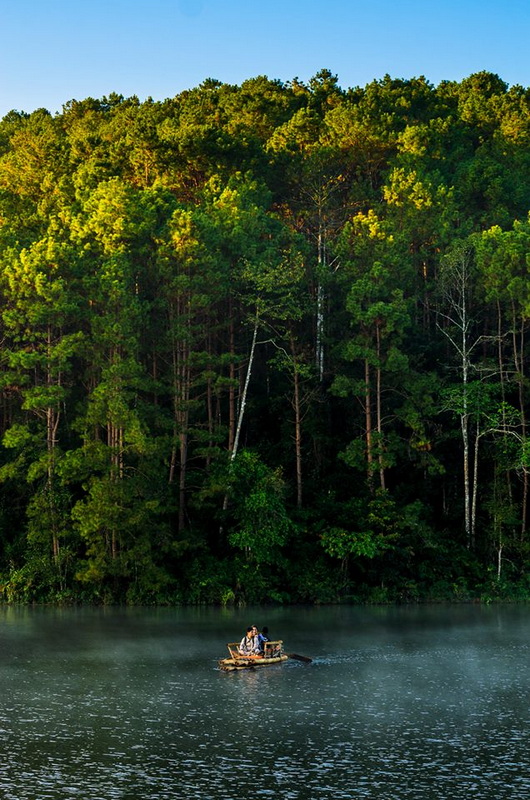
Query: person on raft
{"x":274,"y":650}
{"x":261,"y":637}
{"x":249,"y":645}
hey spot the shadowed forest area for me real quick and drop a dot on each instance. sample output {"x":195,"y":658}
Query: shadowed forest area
{"x":267,"y":343}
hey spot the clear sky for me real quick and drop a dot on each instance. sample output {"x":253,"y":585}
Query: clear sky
{"x":52,"y":51}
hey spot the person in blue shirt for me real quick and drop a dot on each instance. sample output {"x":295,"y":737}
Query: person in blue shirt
{"x":261,"y":637}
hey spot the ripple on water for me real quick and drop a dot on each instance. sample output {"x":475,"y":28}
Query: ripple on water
{"x":394,"y":714}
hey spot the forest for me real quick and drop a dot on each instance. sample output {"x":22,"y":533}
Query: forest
{"x":267,"y":343}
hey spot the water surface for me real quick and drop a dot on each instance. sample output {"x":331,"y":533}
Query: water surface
{"x":397,"y":704}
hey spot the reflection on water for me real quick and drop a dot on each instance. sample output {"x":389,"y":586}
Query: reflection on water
{"x":398,"y":704}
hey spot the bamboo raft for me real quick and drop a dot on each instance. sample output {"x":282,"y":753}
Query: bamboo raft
{"x":272,"y":654}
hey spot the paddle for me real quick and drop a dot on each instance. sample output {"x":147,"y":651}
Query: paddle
{"x":298,"y":657}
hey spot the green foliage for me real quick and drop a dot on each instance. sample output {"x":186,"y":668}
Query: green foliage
{"x":261,"y":522}
{"x":377,"y":525}
{"x":340,"y":276}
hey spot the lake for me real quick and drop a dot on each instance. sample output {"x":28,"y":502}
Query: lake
{"x":399,"y":703}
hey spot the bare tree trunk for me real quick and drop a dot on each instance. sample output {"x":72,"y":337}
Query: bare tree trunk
{"x":181,"y":415}
{"x":297,"y":426}
{"x":245,"y":390}
{"x":209,"y":404}
{"x":232,"y":387}
{"x":52,"y":425}
{"x":319,"y":345}
{"x":464,"y":417}
{"x":183,"y":421}
{"x":518,"y":357}
{"x":181,"y":379}
{"x":173,"y":457}
{"x":242,"y":404}
{"x":464,"y":426}
{"x":52,"y":421}
{"x":115,"y":444}
{"x":368,"y":422}
{"x":380,"y":457}
{"x":475,"y":487}
{"x":457,"y":280}
{"x":497,"y":527}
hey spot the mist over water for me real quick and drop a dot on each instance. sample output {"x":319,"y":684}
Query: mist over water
{"x":398,"y":703}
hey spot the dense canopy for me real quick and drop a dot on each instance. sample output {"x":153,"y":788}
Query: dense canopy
{"x":267,"y":343}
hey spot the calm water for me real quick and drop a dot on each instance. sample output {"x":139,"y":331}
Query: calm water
{"x":398,"y":703}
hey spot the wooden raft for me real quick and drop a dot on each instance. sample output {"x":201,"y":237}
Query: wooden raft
{"x":272,"y":654}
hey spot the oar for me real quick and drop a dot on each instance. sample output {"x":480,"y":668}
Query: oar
{"x":298,"y":657}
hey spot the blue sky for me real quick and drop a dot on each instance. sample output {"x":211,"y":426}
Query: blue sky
{"x":52,"y":51}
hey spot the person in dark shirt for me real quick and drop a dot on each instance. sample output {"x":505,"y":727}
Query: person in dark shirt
{"x":262,"y":636}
